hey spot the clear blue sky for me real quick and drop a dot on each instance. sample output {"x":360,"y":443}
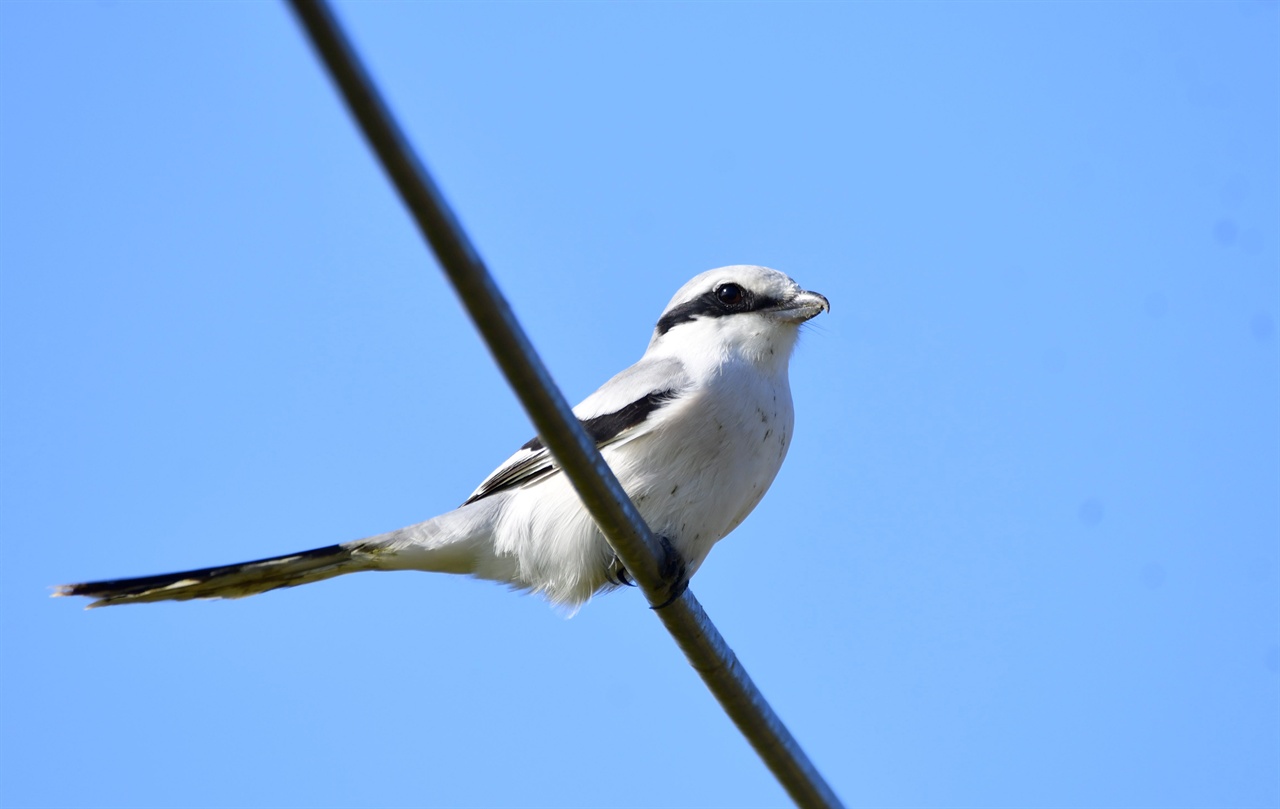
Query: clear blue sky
{"x":1025,"y":551}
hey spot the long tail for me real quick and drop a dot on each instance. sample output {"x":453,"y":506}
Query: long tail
{"x":227,"y":581}
{"x":455,"y":542}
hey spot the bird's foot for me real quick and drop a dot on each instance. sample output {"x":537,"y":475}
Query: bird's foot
{"x":619,"y":575}
{"x":675,"y":575}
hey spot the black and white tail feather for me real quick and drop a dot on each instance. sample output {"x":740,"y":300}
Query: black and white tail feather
{"x":695,"y":431}
{"x":226,"y":581}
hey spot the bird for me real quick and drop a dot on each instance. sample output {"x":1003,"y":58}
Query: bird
{"x":695,"y":432}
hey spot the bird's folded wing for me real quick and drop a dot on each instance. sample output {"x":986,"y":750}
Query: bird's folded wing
{"x":619,"y":410}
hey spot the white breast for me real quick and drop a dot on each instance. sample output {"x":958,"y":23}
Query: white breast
{"x":713,"y":459}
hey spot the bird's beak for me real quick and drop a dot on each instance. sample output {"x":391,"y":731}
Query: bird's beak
{"x":803,"y":306}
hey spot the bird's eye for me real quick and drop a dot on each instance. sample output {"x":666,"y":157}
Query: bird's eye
{"x":729,"y":294}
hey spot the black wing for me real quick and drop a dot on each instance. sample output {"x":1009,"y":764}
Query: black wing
{"x":534,"y":461}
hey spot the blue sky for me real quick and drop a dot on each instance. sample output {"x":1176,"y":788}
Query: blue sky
{"x":1025,"y":551}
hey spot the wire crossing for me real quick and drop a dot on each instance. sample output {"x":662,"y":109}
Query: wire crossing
{"x":553,"y":419}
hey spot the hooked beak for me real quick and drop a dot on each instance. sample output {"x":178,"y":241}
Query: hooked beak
{"x":803,"y":306}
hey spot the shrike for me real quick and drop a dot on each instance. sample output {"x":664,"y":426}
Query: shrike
{"x":695,"y":431}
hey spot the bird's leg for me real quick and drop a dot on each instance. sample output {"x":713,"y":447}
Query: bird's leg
{"x":675,"y":575}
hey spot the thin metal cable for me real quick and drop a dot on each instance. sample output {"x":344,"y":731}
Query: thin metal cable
{"x":563,"y":435}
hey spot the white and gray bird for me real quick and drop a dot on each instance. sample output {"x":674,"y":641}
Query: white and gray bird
{"x":695,"y":432}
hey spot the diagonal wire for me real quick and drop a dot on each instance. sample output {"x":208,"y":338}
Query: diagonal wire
{"x":563,"y":435}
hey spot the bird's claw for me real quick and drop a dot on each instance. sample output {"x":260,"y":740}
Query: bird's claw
{"x":621,"y":576}
{"x":675,"y":574}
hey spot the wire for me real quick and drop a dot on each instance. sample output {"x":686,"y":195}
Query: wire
{"x":560,"y":431}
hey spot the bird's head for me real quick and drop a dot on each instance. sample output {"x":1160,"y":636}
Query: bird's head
{"x":752,"y":312}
